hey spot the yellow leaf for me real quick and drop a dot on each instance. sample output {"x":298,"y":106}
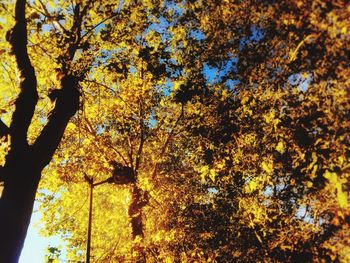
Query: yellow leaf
{"x":314,"y":161}
{"x":332,"y":177}
{"x":344,"y":30}
{"x":269,"y":117}
{"x":342,"y":198}
{"x":157,"y":237}
{"x":336,"y":183}
{"x":314,"y":170}
{"x":251,"y":186}
{"x":212,"y":175}
{"x":204,"y":172}
{"x":244,"y":100}
{"x":280,"y":147}
{"x":221,"y":165}
{"x":267,"y":167}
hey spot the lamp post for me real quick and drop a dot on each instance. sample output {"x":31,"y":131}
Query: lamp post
{"x":91,"y":183}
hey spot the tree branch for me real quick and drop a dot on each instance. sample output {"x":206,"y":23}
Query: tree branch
{"x":28,"y":96}
{"x":47,"y":14}
{"x":98,"y":24}
{"x":76,"y":27}
{"x":130,"y":153}
{"x":142,"y":137}
{"x":154,"y":174}
{"x":92,"y":131}
{"x":4,"y":130}
{"x":67,"y":104}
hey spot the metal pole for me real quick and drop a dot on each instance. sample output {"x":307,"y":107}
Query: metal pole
{"x":91,"y":183}
{"x":88,"y":246}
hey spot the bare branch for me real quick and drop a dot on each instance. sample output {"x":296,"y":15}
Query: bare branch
{"x":142,"y":137}
{"x":131,"y":153}
{"x":47,"y":14}
{"x":98,"y":24}
{"x":92,"y":131}
{"x":154,"y":174}
{"x":100,"y":84}
{"x":110,"y":89}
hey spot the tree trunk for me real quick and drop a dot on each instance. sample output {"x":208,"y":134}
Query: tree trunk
{"x":139,"y":200}
{"x":135,"y":213}
{"x":16,"y":204}
{"x":24,"y":163}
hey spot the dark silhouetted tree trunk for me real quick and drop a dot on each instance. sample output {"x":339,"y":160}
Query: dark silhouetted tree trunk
{"x":24,"y":163}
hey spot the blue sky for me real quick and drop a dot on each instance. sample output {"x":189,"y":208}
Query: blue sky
{"x":35,"y":245}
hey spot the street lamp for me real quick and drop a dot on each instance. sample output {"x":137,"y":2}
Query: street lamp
{"x":122,"y":175}
{"x":91,"y":183}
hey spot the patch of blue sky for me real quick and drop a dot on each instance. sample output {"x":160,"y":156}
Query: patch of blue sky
{"x":175,"y":72}
{"x":102,"y":25}
{"x":257,"y":34}
{"x":152,"y":122}
{"x":168,"y":87}
{"x":243,"y":42}
{"x":214,"y":74}
{"x":99,"y":28}
{"x":35,"y":245}
{"x":280,"y":187}
{"x":228,"y":66}
{"x":301,"y":212}
{"x":106,"y":56}
{"x":197,"y":34}
{"x":213,"y":190}
{"x":49,"y":6}
{"x":301,"y":80}
{"x":42,"y":120}
{"x":46,"y":193}
{"x":160,"y":26}
{"x":175,"y":9}
{"x":305,"y":215}
{"x":132,"y":70}
{"x":100,"y":129}
{"x":210,"y":73}
{"x":47,"y":27}
{"x":268,"y":191}
{"x":232,"y":83}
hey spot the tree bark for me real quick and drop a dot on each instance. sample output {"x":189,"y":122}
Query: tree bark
{"x":135,"y":213}
{"x":139,"y":200}
{"x":22,"y":170}
{"x":16,"y":204}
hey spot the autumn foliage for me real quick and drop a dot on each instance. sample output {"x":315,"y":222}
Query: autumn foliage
{"x":225,"y":124}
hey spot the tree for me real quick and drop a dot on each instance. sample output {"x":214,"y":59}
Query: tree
{"x":24,"y":162}
{"x":30,"y":149}
{"x":96,"y":50}
{"x":264,"y":136}
{"x":231,"y":115}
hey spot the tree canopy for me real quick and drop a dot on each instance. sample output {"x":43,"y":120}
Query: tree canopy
{"x":225,"y":125}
